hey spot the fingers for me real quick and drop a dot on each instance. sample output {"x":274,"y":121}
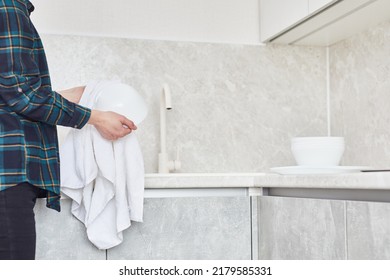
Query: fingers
{"x":126,"y":122}
{"x":114,"y":134}
{"x":127,"y":126}
{"x":126,"y":131}
{"x":114,"y":126}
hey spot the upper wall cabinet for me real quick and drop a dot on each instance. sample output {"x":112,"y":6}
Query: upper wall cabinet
{"x":315,"y":5}
{"x":278,"y":15}
{"x":318,"y":22}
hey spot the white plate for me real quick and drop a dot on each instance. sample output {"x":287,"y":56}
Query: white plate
{"x":296,"y":170}
{"x":122,"y":99}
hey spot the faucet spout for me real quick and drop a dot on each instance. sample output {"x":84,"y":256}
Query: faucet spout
{"x":166,"y":96}
{"x":165,"y":104}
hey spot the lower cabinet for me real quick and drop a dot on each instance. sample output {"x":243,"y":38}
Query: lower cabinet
{"x":300,"y":228}
{"x":368,"y":231}
{"x":218,"y":228}
{"x":208,"y":228}
{"x":304,"y":229}
{"x":174,"y":228}
{"x":60,"y":236}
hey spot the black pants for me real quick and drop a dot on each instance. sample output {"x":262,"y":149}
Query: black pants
{"x":17,"y":222}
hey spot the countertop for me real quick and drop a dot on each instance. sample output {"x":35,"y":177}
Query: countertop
{"x":361,"y":180}
{"x":201,"y":180}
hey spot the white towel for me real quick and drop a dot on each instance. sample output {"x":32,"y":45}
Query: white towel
{"x":105,"y":179}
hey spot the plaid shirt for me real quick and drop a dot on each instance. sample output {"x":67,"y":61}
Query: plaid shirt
{"x":29,"y":108}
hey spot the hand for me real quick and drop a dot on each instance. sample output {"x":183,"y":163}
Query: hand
{"x":73,"y":94}
{"x":111,"y":125}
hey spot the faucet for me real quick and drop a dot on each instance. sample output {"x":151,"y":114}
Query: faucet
{"x":164,"y":164}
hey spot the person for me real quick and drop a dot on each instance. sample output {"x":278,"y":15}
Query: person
{"x":29,"y":113}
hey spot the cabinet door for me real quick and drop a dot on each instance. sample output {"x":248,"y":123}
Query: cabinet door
{"x":187,"y":228}
{"x":277,"y":15}
{"x":315,"y":5}
{"x":301,"y":229}
{"x":368,"y":227}
{"x":60,"y":236}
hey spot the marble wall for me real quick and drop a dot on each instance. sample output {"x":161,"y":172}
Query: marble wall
{"x":235,"y":107}
{"x":360,"y":99}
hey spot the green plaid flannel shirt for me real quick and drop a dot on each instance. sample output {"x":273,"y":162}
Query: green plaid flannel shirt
{"x":29,"y":108}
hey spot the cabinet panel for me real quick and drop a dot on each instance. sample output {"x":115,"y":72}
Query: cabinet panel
{"x":277,"y":15}
{"x":299,"y":228}
{"x":368,"y":230}
{"x":189,"y":228}
{"x":320,"y":26}
{"x":315,"y":5}
{"x":60,"y":236}
{"x":366,"y":14}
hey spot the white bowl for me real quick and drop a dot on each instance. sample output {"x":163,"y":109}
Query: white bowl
{"x":318,"y":151}
{"x":318,"y":140}
{"x":122,"y":99}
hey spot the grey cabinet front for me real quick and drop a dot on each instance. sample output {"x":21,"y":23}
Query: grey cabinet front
{"x":299,"y":228}
{"x":208,"y":228}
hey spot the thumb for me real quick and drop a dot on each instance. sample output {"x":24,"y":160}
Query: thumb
{"x":125,"y":121}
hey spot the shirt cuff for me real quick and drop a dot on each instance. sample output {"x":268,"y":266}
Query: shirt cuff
{"x":80,"y":116}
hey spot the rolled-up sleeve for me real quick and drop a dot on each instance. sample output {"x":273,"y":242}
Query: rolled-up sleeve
{"x":21,"y":87}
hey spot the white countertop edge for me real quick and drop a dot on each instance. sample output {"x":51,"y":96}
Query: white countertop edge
{"x":201,"y":180}
{"x":359,"y":180}
{"x":370,"y":180}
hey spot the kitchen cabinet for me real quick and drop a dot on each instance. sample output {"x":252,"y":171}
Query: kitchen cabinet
{"x":173,"y":228}
{"x":277,"y":15}
{"x":301,"y":229}
{"x":60,"y":236}
{"x":315,"y":5}
{"x":207,"y":228}
{"x":320,"y":22}
{"x":305,"y":228}
{"x":368,"y":228}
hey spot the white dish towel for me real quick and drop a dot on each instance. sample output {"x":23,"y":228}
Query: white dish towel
{"x":105,"y":179}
